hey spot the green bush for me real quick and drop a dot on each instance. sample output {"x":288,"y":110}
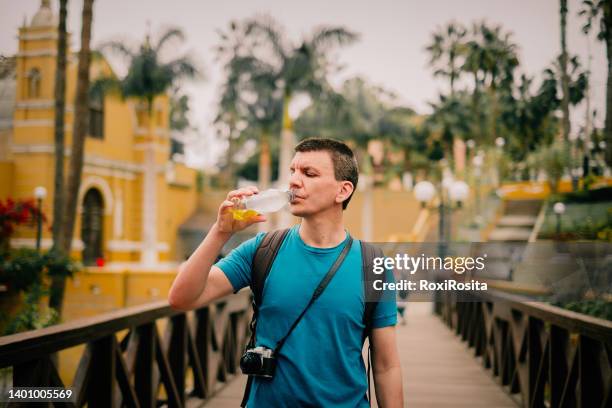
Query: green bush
{"x":32,"y":316}
{"x":597,"y":308}
{"x":21,"y":268}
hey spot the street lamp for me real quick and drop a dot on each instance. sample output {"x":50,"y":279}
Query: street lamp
{"x":424,"y":191}
{"x":459,"y":192}
{"x":500,"y":142}
{"x":477,"y":161}
{"x":40,"y":193}
{"x":559,"y":209}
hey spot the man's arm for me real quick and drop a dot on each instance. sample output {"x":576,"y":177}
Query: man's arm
{"x":198,"y":282}
{"x":386,"y":368}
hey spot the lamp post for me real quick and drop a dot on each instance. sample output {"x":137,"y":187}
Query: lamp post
{"x":559,"y":209}
{"x":500,"y":142}
{"x":458,"y":191}
{"x":477,"y":161}
{"x":424,"y":192}
{"x":40,"y":193}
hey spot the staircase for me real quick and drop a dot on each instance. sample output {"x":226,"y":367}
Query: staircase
{"x":517,"y":222}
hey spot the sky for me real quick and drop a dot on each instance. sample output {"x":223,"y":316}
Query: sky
{"x":390,"y":53}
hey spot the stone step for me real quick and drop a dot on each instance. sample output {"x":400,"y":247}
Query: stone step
{"x":510,"y":234}
{"x":517,"y":221}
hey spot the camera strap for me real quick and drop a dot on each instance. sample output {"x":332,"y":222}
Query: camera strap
{"x":318,"y":291}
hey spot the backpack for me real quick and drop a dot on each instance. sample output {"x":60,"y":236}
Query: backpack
{"x":262,"y":264}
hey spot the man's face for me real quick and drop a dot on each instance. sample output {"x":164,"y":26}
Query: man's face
{"x":314,"y":183}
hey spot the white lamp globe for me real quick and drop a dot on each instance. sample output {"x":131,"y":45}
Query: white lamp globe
{"x":559,"y":208}
{"x":424,"y":191}
{"x":40,"y":193}
{"x":500,"y":142}
{"x":459,"y":191}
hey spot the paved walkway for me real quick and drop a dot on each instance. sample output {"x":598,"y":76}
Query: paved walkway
{"x":438,"y":369}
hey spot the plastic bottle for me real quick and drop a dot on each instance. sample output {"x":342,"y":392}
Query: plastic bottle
{"x":265,"y":202}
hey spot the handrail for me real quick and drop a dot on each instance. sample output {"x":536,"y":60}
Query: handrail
{"x":541,"y":354}
{"x":129,"y":371}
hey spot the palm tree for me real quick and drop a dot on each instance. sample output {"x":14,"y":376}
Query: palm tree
{"x":300,"y":67}
{"x":491,"y":58}
{"x":81,"y":122}
{"x":446,"y":50}
{"x":564,"y":77}
{"x":264,"y":117}
{"x":602,"y":9}
{"x":147,"y":77}
{"x":60,"y":107}
{"x":233,"y":52}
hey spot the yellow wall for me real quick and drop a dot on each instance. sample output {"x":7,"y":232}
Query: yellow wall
{"x":6,"y":178}
{"x":116,"y":161}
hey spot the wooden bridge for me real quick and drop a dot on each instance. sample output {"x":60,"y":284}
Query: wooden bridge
{"x":495,"y":351}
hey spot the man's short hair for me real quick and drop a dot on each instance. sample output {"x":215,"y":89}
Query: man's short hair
{"x":343,"y":159}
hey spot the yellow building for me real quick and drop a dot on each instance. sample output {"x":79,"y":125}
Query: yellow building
{"x":133,"y":195}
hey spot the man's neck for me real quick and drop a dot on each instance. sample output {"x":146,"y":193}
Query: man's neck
{"x":323,"y":230}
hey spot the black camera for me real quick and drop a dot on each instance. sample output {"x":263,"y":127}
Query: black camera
{"x":258,"y":361}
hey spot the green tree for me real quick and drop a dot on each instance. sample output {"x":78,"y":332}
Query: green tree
{"x":148,"y":76}
{"x":447,"y":52}
{"x":491,"y":59}
{"x":233,"y":51}
{"x":593,"y":10}
{"x":81,"y":122}
{"x":563,"y":61}
{"x":300,"y":67}
{"x":451,"y":117}
{"x":58,"y":128}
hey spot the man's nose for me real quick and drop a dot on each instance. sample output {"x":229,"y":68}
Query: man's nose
{"x":295,"y":181}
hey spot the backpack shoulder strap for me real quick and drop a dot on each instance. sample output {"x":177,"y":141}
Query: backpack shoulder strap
{"x":372,"y":296}
{"x":262,"y":263}
{"x":263,"y":260}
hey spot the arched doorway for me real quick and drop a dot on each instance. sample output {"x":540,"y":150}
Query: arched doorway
{"x":91,"y":226}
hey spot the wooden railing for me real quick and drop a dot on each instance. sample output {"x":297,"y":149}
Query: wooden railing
{"x":130,"y":371}
{"x":543,"y":355}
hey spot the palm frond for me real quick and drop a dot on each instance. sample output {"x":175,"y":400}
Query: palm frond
{"x":267,"y":27}
{"x":328,"y":37}
{"x":184,"y":68}
{"x":169,"y":35}
{"x":119,"y":48}
{"x":103,"y":85}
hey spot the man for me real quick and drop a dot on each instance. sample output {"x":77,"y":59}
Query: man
{"x":321,"y":363}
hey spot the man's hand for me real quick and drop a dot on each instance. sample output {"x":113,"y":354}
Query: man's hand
{"x":198,"y":282}
{"x":225,"y":219}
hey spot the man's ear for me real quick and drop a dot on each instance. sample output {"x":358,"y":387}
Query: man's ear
{"x":345,"y":191}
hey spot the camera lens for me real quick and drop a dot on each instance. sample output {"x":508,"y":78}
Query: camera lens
{"x":250,"y":363}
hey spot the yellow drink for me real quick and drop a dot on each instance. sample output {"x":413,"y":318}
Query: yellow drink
{"x":243,"y":214}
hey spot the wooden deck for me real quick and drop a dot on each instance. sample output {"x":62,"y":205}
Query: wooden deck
{"x":438,"y":369}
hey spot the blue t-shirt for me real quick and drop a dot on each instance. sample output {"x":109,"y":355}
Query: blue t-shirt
{"x":321,"y":362}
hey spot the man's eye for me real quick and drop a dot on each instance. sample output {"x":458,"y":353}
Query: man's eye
{"x":310,"y":174}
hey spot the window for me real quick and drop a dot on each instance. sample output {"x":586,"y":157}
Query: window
{"x":33,"y":81}
{"x":96,"y":116}
{"x":91,"y":226}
